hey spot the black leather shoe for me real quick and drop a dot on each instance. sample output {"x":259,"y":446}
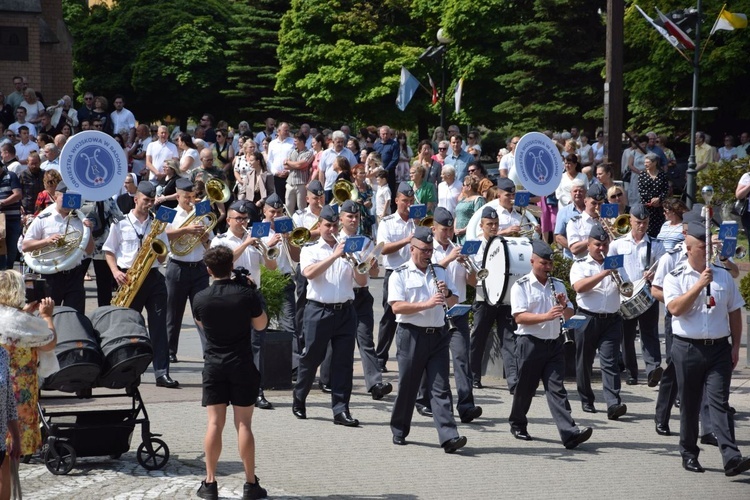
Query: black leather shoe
{"x":663,"y":430}
{"x":632,"y":381}
{"x":692,"y":465}
{"x":383,"y":369}
{"x":345,"y":419}
{"x":477,"y":384}
{"x":616,"y":411}
{"x":454,"y":444}
{"x":298,"y":409}
{"x":166,"y":381}
{"x":736,"y":466}
{"x":399,"y":440}
{"x":424,"y":411}
{"x":709,"y":439}
{"x":378,"y":391}
{"x":471,"y":414}
{"x":588,"y":407}
{"x":173,"y":358}
{"x":655,"y":376}
{"x":324,"y":387}
{"x":732,"y":410}
{"x":263,"y":403}
{"x":582,"y":436}
{"x":521,"y":434}
{"x":677,"y":403}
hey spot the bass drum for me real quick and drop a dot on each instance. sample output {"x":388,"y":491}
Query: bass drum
{"x":473,"y":232}
{"x":507,"y":260}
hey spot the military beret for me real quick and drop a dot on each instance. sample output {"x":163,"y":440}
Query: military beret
{"x":316,"y":188}
{"x":598,"y":233}
{"x":349,"y":207}
{"x":639,"y":211}
{"x":184,"y":185}
{"x":697,"y":230}
{"x":146,"y":188}
{"x":443,"y":217}
{"x":541,"y":249}
{"x":596,"y":192}
{"x":274,"y":201}
{"x":694,"y":215}
{"x":505,"y":184}
{"x":489,"y":213}
{"x":423,"y":234}
{"x":405,"y":189}
{"x":239,"y":206}
{"x":62,"y":187}
{"x":329,"y":214}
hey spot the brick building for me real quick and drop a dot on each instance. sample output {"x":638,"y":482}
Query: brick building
{"x":35,"y":43}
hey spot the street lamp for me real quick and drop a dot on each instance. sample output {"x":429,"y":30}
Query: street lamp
{"x":438,"y":53}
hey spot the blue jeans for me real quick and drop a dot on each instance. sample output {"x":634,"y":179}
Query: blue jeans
{"x":12,"y":233}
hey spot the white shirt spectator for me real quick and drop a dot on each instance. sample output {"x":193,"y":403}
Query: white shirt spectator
{"x":23,"y":150}
{"x":326,"y":165}
{"x":159,"y":153}
{"x":278,"y":151}
{"x":383,"y":200}
{"x":448,"y":195}
{"x":122,"y":121}
{"x":15,"y":125}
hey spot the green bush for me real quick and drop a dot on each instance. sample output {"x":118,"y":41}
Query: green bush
{"x":272,"y":286}
{"x":745,"y":290}
{"x":723,"y":176}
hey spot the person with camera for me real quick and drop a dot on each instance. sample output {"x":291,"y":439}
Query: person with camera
{"x":227,"y":311}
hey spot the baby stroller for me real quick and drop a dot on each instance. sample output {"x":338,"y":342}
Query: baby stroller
{"x":118,"y":336}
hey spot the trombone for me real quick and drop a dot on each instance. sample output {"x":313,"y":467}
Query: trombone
{"x":468,"y":263}
{"x":268,"y":253}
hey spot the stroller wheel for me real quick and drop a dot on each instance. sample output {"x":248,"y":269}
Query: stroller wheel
{"x":60,"y":458}
{"x":153,"y":455}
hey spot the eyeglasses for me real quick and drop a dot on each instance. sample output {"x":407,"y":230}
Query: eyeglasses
{"x":88,"y":98}
{"x":618,"y":195}
{"x":424,"y":250}
{"x":472,"y":170}
{"x":442,"y":149}
{"x":218,"y":136}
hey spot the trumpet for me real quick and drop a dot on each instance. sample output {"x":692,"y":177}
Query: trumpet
{"x":360,"y":267}
{"x":344,"y":190}
{"x":468,"y":263}
{"x":268,"y":253}
{"x":739,"y":253}
{"x":370,"y":259}
{"x":625,"y":287}
{"x":528,"y":228}
{"x":300,"y":235}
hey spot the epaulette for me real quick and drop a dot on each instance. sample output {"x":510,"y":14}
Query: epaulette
{"x":575,"y":218}
{"x":222,"y":235}
{"x":675,"y":249}
{"x":580,"y":260}
{"x":523,"y":279}
{"x":388,"y":217}
{"x":44,"y":215}
{"x":299,"y":212}
{"x":677,"y":270}
{"x":400,"y":268}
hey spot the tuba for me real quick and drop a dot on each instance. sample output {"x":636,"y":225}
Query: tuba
{"x":151,"y":248}
{"x":63,"y":255}
{"x":216,"y":192}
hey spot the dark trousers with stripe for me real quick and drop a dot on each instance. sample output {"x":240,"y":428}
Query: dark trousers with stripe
{"x":648,"y":324}
{"x":387,"y":328}
{"x":153,"y":296}
{"x":184,"y":281}
{"x":66,"y":288}
{"x":485,"y":316}
{"x":604,"y":335}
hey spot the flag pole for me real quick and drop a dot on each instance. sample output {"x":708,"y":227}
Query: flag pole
{"x":712,"y":32}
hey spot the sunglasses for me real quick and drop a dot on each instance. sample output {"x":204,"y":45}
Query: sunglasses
{"x":618,"y":195}
{"x":442,"y":149}
{"x":472,"y":170}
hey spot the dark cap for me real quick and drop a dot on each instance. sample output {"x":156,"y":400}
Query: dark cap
{"x":693,"y":215}
{"x":541,"y":249}
{"x":274,"y":201}
{"x":443,"y":217}
{"x":639,"y":211}
{"x":61,"y":187}
{"x":489,"y":213}
{"x":598,"y":233}
{"x":329,"y":214}
{"x":146,"y":188}
{"x":239,"y":206}
{"x":596,"y":192}
{"x":405,"y":189}
{"x":505,"y":184}
{"x":697,"y":230}
{"x":184,"y":185}
{"x":316,"y":187}
{"x":424,"y":234}
{"x":349,"y":207}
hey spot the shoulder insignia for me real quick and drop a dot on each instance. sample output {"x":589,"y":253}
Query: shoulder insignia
{"x":523,"y":279}
{"x":222,"y":235}
{"x":44,"y":215}
{"x":580,"y":260}
{"x":677,"y":270}
{"x":576,"y":217}
{"x":299,"y":212}
{"x":388,"y":217}
{"x":675,"y":249}
{"x":400,"y":268}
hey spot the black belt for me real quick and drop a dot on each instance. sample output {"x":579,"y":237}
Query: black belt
{"x":182,"y":263}
{"x":361,"y":289}
{"x":336,"y":307}
{"x":429,"y":330}
{"x":722,"y":340}
{"x":69,"y":271}
{"x":599,"y":315}
{"x":537,"y":340}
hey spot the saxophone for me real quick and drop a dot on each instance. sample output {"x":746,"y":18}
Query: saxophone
{"x":151,"y":248}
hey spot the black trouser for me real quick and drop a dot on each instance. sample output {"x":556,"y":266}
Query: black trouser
{"x":485,"y":316}
{"x":697,"y":367}
{"x":324,"y":323}
{"x":184,"y":281}
{"x":104,"y":282}
{"x":541,"y":360}
{"x":66,"y":288}
{"x":153,"y":296}
{"x":298,"y":343}
{"x":387,"y":325}
{"x":459,"y":347}
{"x":279,"y":184}
{"x":648,"y":323}
{"x":393,"y":185}
{"x":421,"y":352}
{"x":363,"y":302}
{"x":604,"y":335}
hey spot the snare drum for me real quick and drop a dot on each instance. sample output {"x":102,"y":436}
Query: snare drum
{"x":639,"y":302}
{"x":507,"y":260}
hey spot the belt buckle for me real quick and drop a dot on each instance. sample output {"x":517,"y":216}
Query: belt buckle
{"x":709,"y":341}
{"x":336,"y":307}
{"x":430,"y":330}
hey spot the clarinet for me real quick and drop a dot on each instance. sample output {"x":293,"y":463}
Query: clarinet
{"x":563,"y":331}
{"x":448,"y":320}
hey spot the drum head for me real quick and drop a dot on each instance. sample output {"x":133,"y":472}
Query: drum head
{"x":496,"y":262}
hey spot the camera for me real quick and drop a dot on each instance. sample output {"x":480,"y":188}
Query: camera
{"x":36,"y":289}
{"x":242,"y":276}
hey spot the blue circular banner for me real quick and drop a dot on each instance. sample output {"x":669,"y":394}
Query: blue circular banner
{"x":93,"y":164}
{"x":539,"y":164}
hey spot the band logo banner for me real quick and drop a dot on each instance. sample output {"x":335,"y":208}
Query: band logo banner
{"x":539,"y":164}
{"x":93,"y":164}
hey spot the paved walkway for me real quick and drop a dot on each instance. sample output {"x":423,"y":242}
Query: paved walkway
{"x":315,"y":459}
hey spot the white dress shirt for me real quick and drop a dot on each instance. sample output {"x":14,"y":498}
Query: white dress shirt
{"x":448,"y":195}
{"x":326,"y":165}
{"x":52,"y":222}
{"x":124,"y":241}
{"x":578,"y":229}
{"x":196,"y":254}
{"x":278,"y":152}
{"x":409,"y":284}
{"x":333,"y":286}
{"x":391,"y":229}
{"x":305,"y":218}
{"x":283,"y":263}
{"x":159,"y":153}
{"x":479,"y":261}
{"x":250,"y":259}
{"x":122,"y":121}
{"x":507,"y":218}
{"x":604,"y":297}
{"x":455,"y":271}
{"x":668,"y":262}
{"x":528,"y":295}
{"x":634,"y":260}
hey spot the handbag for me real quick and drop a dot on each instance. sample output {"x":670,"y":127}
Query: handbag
{"x":740,"y":207}
{"x":626,"y":176}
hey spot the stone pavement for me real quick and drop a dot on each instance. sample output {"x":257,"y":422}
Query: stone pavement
{"x":317,"y":460}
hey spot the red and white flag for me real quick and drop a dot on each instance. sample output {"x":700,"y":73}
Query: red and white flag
{"x":434,"y":90}
{"x":676,"y":31}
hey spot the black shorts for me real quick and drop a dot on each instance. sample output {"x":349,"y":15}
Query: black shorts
{"x":233,"y":383}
